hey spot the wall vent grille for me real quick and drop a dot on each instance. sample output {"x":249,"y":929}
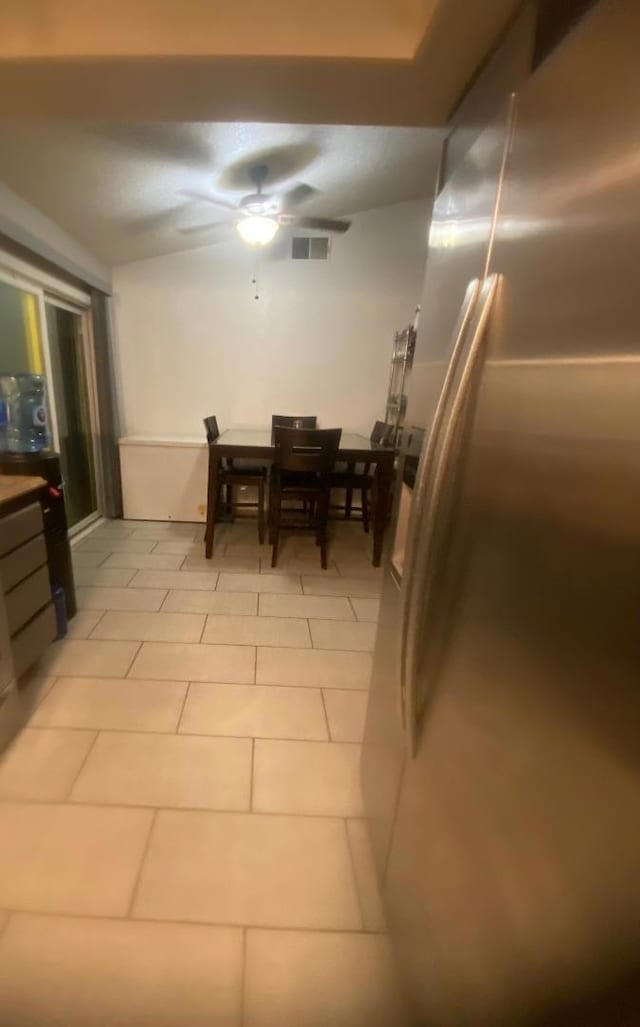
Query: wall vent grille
{"x":314,"y":247}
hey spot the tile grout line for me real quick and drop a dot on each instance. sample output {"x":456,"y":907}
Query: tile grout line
{"x":309,"y":632}
{"x":129,"y":668}
{"x":42,"y":698}
{"x":141,"y":807}
{"x":184,"y":703}
{"x":355,"y":615}
{"x":81,"y":767}
{"x":112,"y":918}
{"x":208,"y":681}
{"x":183,"y":734}
{"x":100,"y":618}
{"x":145,"y":852}
{"x":354,"y":875}
{"x":191,"y":641}
{"x":326,"y":715}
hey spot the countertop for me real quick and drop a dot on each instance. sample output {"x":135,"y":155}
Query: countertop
{"x":14,"y":486}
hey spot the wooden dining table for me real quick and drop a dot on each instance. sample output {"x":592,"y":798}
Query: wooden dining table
{"x":257,"y":444}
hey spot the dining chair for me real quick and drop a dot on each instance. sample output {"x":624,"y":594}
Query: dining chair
{"x":352,"y":476}
{"x":288,"y":421}
{"x":303,"y":461}
{"x":291,"y":421}
{"x":231,"y":477}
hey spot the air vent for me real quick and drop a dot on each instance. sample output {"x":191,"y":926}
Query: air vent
{"x":314,"y":247}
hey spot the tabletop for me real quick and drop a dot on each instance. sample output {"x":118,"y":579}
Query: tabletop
{"x":239,"y":443}
{"x":261,"y":438}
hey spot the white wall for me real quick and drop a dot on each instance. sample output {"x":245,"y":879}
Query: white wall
{"x":191,"y":340}
{"x":26,"y":225}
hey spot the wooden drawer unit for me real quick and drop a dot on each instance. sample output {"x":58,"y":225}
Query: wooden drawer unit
{"x":19,"y":527}
{"x":25,"y":591}
{"x":27,"y":598}
{"x":22,"y":562}
{"x":27,"y":614}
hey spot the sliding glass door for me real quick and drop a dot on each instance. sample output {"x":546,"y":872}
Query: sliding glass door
{"x":20,"y":331}
{"x":71,"y":381}
{"x":47,"y":331}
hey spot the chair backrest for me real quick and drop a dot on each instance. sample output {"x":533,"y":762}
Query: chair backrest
{"x":381,"y":433}
{"x":286,"y":421}
{"x":211,"y":428}
{"x":306,"y":449}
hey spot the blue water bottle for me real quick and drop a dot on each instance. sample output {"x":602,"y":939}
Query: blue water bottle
{"x":27,"y":429}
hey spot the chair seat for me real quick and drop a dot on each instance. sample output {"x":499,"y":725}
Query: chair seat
{"x":299,"y":480}
{"x":350,"y":479}
{"x":244,"y":468}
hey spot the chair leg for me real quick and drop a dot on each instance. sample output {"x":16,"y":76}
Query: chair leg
{"x":348,"y":504}
{"x":275,"y":527}
{"x":323,"y":553}
{"x":323,"y":519}
{"x":229,"y":499}
{"x":211,"y":506}
{"x":269,"y":508}
{"x":261,"y":511}
{"x":365,"y":509}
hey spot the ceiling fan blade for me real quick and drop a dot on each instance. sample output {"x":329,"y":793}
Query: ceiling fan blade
{"x":322,"y":224}
{"x":164,"y":219}
{"x":168,"y":143}
{"x":222,"y":227}
{"x":193,"y":194}
{"x":299,"y":194}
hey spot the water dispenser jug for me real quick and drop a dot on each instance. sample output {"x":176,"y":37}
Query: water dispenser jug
{"x":26,"y":428}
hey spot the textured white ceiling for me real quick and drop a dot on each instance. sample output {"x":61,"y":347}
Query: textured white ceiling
{"x":120,"y":189}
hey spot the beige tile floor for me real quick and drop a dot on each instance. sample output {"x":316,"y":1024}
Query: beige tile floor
{"x":181,"y":820}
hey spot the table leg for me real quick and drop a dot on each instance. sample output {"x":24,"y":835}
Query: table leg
{"x":212,"y":503}
{"x":384,"y":482}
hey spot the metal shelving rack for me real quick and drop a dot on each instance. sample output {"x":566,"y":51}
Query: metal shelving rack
{"x":404,"y":343}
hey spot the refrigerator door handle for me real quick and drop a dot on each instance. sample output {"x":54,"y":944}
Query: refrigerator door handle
{"x":442,"y":459}
{"x":421,"y":486}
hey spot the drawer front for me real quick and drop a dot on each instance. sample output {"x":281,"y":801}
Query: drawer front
{"x":22,"y":562}
{"x":30,"y":643}
{"x":19,"y":527}
{"x":27,"y":598}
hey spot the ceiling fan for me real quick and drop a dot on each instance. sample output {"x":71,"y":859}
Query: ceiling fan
{"x":259,"y":215}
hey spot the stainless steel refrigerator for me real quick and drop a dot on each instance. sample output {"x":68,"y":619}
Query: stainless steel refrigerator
{"x":501,"y":763}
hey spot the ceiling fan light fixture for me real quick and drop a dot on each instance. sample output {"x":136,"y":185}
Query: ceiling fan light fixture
{"x":257,"y":230}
